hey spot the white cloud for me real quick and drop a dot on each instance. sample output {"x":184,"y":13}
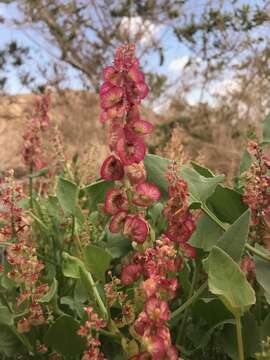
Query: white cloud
{"x":224,"y":87}
{"x":139,"y":29}
{"x":177,"y":65}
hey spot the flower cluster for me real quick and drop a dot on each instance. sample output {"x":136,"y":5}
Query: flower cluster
{"x":121,"y":95}
{"x":32,"y":147}
{"x":181,"y":223}
{"x":257,"y":194}
{"x":11,"y":214}
{"x":90,"y":331}
{"x":25,"y":272}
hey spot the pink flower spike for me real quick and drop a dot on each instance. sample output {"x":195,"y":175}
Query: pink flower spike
{"x":112,"y":169}
{"x":117,"y":221}
{"x":157,"y":309}
{"x":131,"y":273}
{"x":111,"y":97}
{"x":112,"y":76}
{"x":146,"y":194}
{"x":130,"y":151}
{"x":136,"y":228}
{"x":116,"y":199}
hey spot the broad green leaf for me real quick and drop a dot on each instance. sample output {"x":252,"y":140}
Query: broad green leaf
{"x":206,"y":234}
{"x":234,"y":239}
{"x":95,"y":193}
{"x":62,"y":337}
{"x":266,"y":128}
{"x":211,"y":310}
{"x":266,"y":327}
{"x":71,"y":266}
{"x":50,"y":294}
{"x":229,"y":283}
{"x":263,"y":272}
{"x":6,"y":317}
{"x":226,"y":204}
{"x":117,"y":245}
{"x":156,"y":168}
{"x":9,"y":343}
{"x":200,"y":187}
{"x":67,"y":194}
{"x":97,"y":260}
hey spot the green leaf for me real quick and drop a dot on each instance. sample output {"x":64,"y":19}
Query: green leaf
{"x":263,"y":272}
{"x":200,"y":187}
{"x":50,"y":294}
{"x":62,"y":337}
{"x":67,"y":194}
{"x":95,"y":193}
{"x":156,"y":168}
{"x":226,"y":204}
{"x":71,"y":266}
{"x":97,"y":260}
{"x":229,"y":283}
{"x":118,"y":245}
{"x":206,"y":234}
{"x":6,"y":317}
{"x":266,"y":128}
{"x":211,"y":310}
{"x":9,"y":343}
{"x":234,"y":239}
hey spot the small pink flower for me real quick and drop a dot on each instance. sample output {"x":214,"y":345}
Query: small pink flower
{"x":130,"y":151}
{"x":112,"y":169}
{"x":140,"y":127}
{"x":116,"y":200}
{"x":136,"y":228}
{"x":112,"y":76}
{"x":142,"y":323}
{"x":111,"y":97}
{"x":150,"y":286}
{"x":188,"y":250}
{"x":135,"y":74}
{"x":23,"y":326}
{"x":117,"y":221}
{"x":155,"y":346}
{"x":172,"y":353}
{"x":136,"y":173}
{"x":146,"y":194}
{"x":157,"y":310}
{"x":131,"y":273}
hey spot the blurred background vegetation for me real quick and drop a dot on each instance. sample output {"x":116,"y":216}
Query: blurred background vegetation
{"x":207,"y":63}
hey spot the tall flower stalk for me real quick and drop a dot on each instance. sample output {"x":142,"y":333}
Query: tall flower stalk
{"x":153,"y":265}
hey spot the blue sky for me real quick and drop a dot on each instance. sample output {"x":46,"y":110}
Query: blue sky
{"x":175,"y":53}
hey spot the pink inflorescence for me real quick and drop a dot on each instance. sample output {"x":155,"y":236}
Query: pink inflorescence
{"x":154,"y":265}
{"x":32,"y":147}
{"x":89,"y":331}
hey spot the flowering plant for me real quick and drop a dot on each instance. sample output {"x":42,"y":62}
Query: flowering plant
{"x":155,"y":260}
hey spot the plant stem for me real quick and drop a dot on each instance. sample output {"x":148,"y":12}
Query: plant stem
{"x":239,"y":338}
{"x":220,"y":223}
{"x":181,"y":334}
{"x":257,"y":252}
{"x":23,"y":339}
{"x":190,"y":300}
{"x":31,"y":187}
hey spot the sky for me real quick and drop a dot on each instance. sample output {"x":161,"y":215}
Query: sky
{"x":176,"y":54}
